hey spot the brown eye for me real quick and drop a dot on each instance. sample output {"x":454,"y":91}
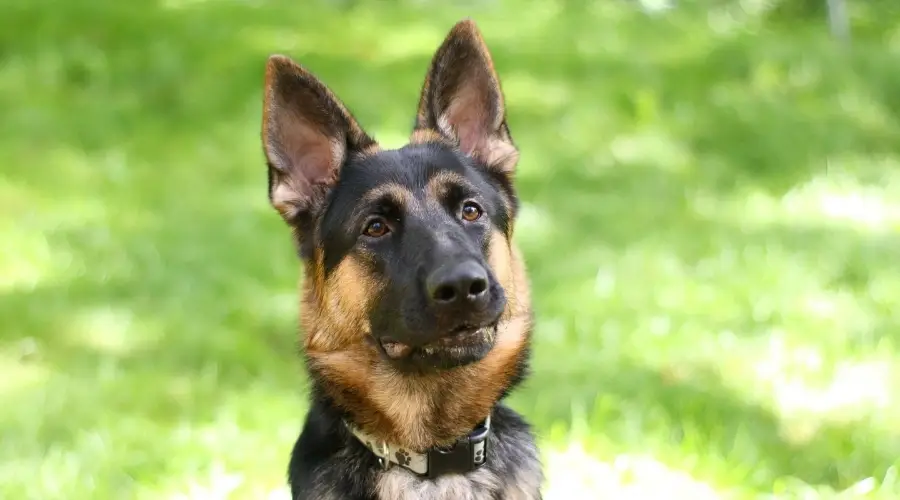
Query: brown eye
{"x":376,"y":228}
{"x":470,"y":211}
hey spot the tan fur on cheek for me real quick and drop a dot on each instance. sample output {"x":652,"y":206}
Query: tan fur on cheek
{"x":510,"y":340}
{"x":345,"y":299}
{"x":503,"y":262}
{"x":520,"y":282}
{"x":499,"y":255}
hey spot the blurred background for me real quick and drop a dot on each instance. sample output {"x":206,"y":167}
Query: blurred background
{"x":711,"y":219}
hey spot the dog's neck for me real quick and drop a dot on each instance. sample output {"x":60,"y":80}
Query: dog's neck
{"x":419,"y":412}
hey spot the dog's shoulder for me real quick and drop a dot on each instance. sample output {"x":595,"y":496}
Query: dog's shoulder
{"x":323,"y":467}
{"x":515,"y":456}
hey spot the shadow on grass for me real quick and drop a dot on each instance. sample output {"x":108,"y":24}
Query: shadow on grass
{"x":628,"y":208}
{"x":625,"y":399}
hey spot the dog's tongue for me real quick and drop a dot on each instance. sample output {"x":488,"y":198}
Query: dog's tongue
{"x":395,"y":349}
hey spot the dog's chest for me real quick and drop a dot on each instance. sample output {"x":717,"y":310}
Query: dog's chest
{"x":398,"y":484}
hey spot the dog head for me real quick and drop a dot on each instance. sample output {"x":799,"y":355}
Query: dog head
{"x":406,"y":250}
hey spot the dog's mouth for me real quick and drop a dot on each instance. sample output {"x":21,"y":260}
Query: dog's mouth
{"x":462,"y":342}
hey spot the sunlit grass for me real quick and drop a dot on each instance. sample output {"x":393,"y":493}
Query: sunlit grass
{"x":709,"y":216}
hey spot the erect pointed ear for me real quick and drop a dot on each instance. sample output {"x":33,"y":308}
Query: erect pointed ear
{"x":307,"y":134}
{"x":463,"y":101}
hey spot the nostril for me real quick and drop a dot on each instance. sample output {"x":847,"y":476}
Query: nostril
{"x":478,"y":286}
{"x":466,"y":282}
{"x":445,"y":293}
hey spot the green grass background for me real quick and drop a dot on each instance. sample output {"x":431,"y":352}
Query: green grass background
{"x":711,"y":222}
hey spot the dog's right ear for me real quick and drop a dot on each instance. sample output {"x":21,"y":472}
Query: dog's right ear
{"x":307,"y":135}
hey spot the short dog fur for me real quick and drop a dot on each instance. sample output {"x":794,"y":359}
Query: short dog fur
{"x":415,"y":306}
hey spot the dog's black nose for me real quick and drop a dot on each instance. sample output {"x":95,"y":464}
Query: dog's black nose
{"x":462,"y":284}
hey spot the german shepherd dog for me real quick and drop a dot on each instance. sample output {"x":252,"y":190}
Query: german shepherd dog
{"x":415,"y":306}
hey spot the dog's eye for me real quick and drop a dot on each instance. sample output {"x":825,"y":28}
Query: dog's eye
{"x":471,"y":211}
{"x":376,"y":228}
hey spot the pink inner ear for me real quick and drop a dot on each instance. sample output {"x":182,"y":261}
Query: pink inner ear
{"x":311,"y":155}
{"x":304,"y":155}
{"x":473,"y":116}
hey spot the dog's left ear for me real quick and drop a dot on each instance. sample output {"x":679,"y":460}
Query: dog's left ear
{"x":463,"y":101}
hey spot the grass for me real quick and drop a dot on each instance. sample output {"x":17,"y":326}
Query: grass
{"x":710,"y":220}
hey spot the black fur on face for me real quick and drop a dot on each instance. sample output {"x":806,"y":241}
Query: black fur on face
{"x":412,"y":218}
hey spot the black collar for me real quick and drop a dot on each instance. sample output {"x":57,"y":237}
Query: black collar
{"x":466,"y":454}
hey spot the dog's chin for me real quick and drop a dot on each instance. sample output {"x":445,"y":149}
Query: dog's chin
{"x":464,"y":346}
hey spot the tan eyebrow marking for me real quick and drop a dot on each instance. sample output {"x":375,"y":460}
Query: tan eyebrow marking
{"x":440,"y":183}
{"x":394,"y":192}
